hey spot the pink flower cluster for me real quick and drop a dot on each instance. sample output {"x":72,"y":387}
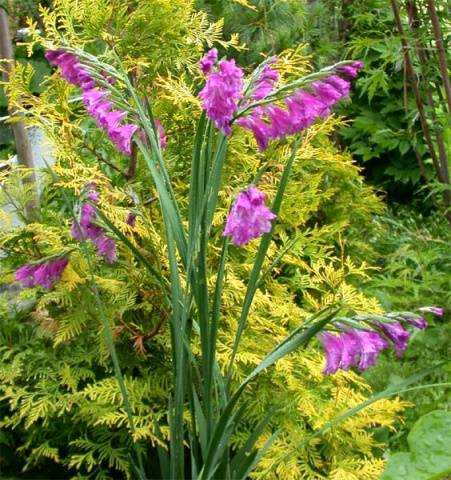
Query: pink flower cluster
{"x":86,"y":228}
{"x":223,"y":91}
{"x":265,"y":82}
{"x":360,"y":348}
{"x":44,"y":274}
{"x":353,"y":348}
{"x":97,"y":102}
{"x":249,"y":217}
{"x":299,"y":111}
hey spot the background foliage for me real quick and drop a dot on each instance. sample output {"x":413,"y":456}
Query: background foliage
{"x":385,"y":133}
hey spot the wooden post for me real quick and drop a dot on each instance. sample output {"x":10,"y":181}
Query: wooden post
{"x":23,"y":147}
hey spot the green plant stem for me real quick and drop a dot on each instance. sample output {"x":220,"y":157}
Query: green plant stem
{"x":107,"y":332}
{"x":261,"y":254}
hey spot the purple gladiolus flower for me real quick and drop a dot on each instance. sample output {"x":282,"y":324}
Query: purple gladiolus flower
{"x":44,"y":274}
{"x":87,"y":215}
{"x":352,"y":70}
{"x":435,"y":310}
{"x":86,"y":229}
{"x":52,"y":56}
{"x":71,"y":69}
{"x":262,"y":131}
{"x":207,"y":62}
{"x":92,"y":193}
{"x":418,"y":322}
{"x":25,"y":275}
{"x":122,"y":137}
{"x":326,"y":92}
{"x":101,"y":112}
{"x":341,"y":85}
{"x":161,"y":134}
{"x":93,"y":196}
{"x":95,"y":100}
{"x":333,"y":348}
{"x":397,"y":334}
{"x":353,"y":348}
{"x":92,"y":98}
{"x":350,"y":347}
{"x":280,"y":120}
{"x":221,"y":94}
{"x":301,"y":108}
{"x":265,"y":83}
{"x":106,"y":248}
{"x":131,"y":219}
{"x":370,"y":345}
{"x":305,"y":109}
{"x":112,"y":120}
{"x":249,"y":217}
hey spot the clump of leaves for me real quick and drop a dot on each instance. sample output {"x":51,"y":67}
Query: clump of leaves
{"x":429,"y":457}
{"x":415,"y":262}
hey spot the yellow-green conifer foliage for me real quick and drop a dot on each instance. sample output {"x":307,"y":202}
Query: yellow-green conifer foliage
{"x":57,"y":389}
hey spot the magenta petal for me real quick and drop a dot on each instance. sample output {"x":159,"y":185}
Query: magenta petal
{"x":207,"y":62}
{"x":435,"y":310}
{"x":341,"y":85}
{"x":87,"y":214}
{"x":350,"y":346}
{"x":53,"y":56}
{"x":265,"y":83}
{"x":326,"y":92}
{"x":122,"y":137}
{"x":161,"y":134}
{"x":100,"y":111}
{"x":221,"y":94}
{"x":106,"y":247}
{"x":262,"y":131}
{"x":76,"y":231}
{"x":249,"y":217}
{"x":418,"y":322}
{"x":25,"y":275}
{"x":353,"y":348}
{"x":370,"y":345}
{"x":333,"y":349}
{"x":131,"y":219}
{"x":92,"y":97}
{"x":44,"y":274}
{"x":111,"y":120}
{"x":397,"y":334}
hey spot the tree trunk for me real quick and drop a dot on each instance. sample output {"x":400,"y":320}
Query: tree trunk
{"x":441,"y":170}
{"x":424,"y":59}
{"x":441,"y":54}
{"x":345,"y":20}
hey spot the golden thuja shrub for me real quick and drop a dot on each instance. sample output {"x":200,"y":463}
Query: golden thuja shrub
{"x":325,"y":198}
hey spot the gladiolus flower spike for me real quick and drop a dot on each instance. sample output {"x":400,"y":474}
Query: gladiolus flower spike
{"x":86,"y":228}
{"x":45,"y":274}
{"x":97,"y":102}
{"x":223,"y":95}
{"x":360,"y":348}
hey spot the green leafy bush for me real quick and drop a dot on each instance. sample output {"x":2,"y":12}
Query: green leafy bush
{"x":429,"y":457}
{"x":415,"y":261}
